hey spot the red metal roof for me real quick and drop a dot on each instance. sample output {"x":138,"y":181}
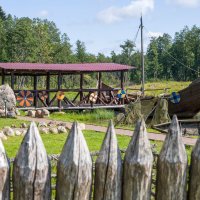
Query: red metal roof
{"x":86,"y":67}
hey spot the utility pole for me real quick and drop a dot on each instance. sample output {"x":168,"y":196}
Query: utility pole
{"x":142,"y":56}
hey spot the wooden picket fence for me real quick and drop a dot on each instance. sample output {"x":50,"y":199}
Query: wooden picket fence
{"x":110,"y":178}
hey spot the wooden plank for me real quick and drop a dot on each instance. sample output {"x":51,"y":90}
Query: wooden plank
{"x":108,"y":169}
{"x":31,"y":168}
{"x":48,"y":79}
{"x":172,"y":166}
{"x":74,"y":169}
{"x":35,"y":81}
{"x":52,"y":100}
{"x":138,"y":164}
{"x":75,"y":97}
{"x":12,"y":80}
{"x":59,"y":87}
{"x":81,"y":86}
{"x":3,"y":77}
{"x":4,"y":174}
{"x":194,"y":182}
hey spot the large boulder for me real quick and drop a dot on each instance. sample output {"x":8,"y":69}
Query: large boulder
{"x":8,"y":131}
{"x":7,"y":95}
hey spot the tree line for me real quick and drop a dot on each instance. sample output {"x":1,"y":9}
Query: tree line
{"x":36,"y":40}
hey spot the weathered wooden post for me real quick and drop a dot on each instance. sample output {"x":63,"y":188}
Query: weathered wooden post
{"x":4,"y":174}
{"x":108,"y":169}
{"x":31,"y":170}
{"x":74,"y":170}
{"x":172,"y":166}
{"x":194,"y":184}
{"x":138,"y":166}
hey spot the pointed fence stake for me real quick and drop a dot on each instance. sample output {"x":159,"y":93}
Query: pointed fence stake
{"x":108,"y":169}
{"x":138,"y":164}
{"x":172,"y":166}
{"x":194,"y":184}
{"x":4,"y":174}
{"x":31,"y":170}
{"x":74,"y":169}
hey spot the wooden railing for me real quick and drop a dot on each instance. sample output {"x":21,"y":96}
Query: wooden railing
{"x":114,"y":178}
{"x":81,"y":97}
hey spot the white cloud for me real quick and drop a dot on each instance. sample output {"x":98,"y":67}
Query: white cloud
{"x":44,"y":13}
{"x":134,"y":9}
{"x":155,"y":34}
{"x":187,"y":3}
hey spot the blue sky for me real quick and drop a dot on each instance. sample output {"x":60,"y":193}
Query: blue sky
{"x":104,"y":24}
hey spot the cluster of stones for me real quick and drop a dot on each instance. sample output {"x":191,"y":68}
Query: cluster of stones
{"x":45,"y":128}
{"x":7,"y":102}
{"x":39,"y":113}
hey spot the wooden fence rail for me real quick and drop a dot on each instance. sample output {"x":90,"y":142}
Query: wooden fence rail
{"x":114,"y":178}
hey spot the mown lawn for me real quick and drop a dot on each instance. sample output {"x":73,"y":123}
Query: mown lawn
{"x":11,"y":121}
{"x":55,"y":142}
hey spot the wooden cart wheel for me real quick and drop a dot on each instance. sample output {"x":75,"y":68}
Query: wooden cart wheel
{"x":25,"y":98}
{"x":43,"y":95}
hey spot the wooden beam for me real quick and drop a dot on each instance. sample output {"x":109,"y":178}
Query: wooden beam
{"x":12,"y":80}
{"x":122,"y":80}
{"x":122,"y":84}
{"x":99,"y":84}
{"x":81,"y":87}
{"x":3,"y":77}
{"x":36,"y":91}
{"x":48,"y":79}
{"x":59,"y":82}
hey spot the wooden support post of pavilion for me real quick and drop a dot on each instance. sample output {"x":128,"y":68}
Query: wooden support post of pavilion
{"x":35,"y":82}
{"x":81,"y":86}
{"x":59,"y":87}
{"x":99,"y":84}
{"x":3,"y":77}
{"x":48,"y":88}
{"x":12,"y":80}
{"x":122,"y":84}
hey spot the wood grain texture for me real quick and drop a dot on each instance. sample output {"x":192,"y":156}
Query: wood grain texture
{"x":108,"y":169}
{"x":31,"y":169}
{"x":172,"y":166}
{"x":194,"y":183}
{"x":138,"y":166}
{"x":4,"y":174}
{"x":74,"y":169}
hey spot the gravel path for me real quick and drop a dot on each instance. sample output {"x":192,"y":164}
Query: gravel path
{"x":152,"y":136}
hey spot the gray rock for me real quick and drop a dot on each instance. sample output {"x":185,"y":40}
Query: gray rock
{"x":52,"y":124}
{"x":11,"y":114}
{"x":31,"y":113}
{"x":62,"y":129}
{"x":42,"y":124}
{"x":53,"y":130}
{"x":8,"y":131}
{"x":45,"y":113}
{"x":2,"y":136}
{"x":23,"y":125}
{"x":38,"y":114}
{"x":63,"y":124}
{"x":7,"y":94}
{"x":44,"y":130}
{"x":18,"y":133}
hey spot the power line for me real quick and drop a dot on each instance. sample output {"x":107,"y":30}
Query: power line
{"x":150,"y":36}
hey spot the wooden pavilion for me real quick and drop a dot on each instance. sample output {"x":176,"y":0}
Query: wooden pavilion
{"x":102,"y":97}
